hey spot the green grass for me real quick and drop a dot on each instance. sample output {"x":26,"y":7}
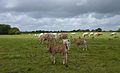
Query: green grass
{"x":24,"y":54}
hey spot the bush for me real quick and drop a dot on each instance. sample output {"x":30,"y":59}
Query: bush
{"x":14,"y":31}
{"x":4,"y":29}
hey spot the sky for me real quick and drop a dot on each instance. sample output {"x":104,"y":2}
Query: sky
{"x":54,"y":15}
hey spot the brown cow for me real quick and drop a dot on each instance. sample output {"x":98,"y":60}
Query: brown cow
{"x":81,"y":42}
{"x":63,"y":36}
{"x":46,"y":37}
{"x":58,"y":48}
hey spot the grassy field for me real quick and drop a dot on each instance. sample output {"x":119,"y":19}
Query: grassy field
{"x":24,"y":54}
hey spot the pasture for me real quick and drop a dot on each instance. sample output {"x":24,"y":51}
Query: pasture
{"x":24,"y":54}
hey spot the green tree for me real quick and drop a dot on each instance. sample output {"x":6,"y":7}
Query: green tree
{"x":98,"y":30}
{"x":14,"y":30}
{"x":87,"y":30}
{"x":92,"y":30}
{"x":4,"y":29}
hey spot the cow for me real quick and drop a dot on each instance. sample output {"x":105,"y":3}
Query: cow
{"x":58,"y":48}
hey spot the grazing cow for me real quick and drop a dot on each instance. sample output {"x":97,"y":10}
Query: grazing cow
{"x":85,"y":34}
{"x":41,"y":38}
{"x":58,"y":48}
{"x":40,"y":34}
{"x":35,"y":34}
{"x":113,"y":33}
{"x":81,"y":42}
{"x":46,"y":37}
{"x":63,"y":36}
{"x":91,"y":34}
{"x":73,"y":33}
{"x":67,"y":42}
{"x":98,"y":34}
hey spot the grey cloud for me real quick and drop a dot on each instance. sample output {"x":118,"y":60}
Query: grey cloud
{"x":60,"y":14}
{"x":62,"y":8}
{"x":86,"y":21}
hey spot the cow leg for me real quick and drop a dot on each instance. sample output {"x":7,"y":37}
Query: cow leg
{"x":85,"y":47}
{"x":53,"y":59}
{"x":66,"y":58}
{"x":63,"y":58}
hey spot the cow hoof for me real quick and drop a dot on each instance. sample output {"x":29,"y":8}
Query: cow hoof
{"x":66,"y":65}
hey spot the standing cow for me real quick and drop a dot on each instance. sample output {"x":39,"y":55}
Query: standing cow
{"x":58,"y":48}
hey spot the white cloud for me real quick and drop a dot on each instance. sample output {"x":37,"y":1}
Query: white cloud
{"x":86,"y":21}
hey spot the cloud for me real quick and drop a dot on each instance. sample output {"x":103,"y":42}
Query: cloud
{"x":60,"y":8}
{"x":60,"y":14}
{"x":82,"y":2}
{"x":86,"y":21}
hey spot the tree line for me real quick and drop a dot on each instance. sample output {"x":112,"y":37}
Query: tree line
{"x":7,"y":29}
{"x":79,"y":30}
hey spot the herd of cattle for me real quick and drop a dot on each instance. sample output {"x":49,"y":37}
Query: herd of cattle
{"x":60,"y":43}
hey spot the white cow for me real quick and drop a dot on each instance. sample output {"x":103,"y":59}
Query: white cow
{"x":113,"y":33}
{"x":40,"y":34}
{"x":91,"y":34}
{"x":73,"y":33}
{"x":35,"y":34}
{"x":98,"y":33}
{"x":85,"y":34}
